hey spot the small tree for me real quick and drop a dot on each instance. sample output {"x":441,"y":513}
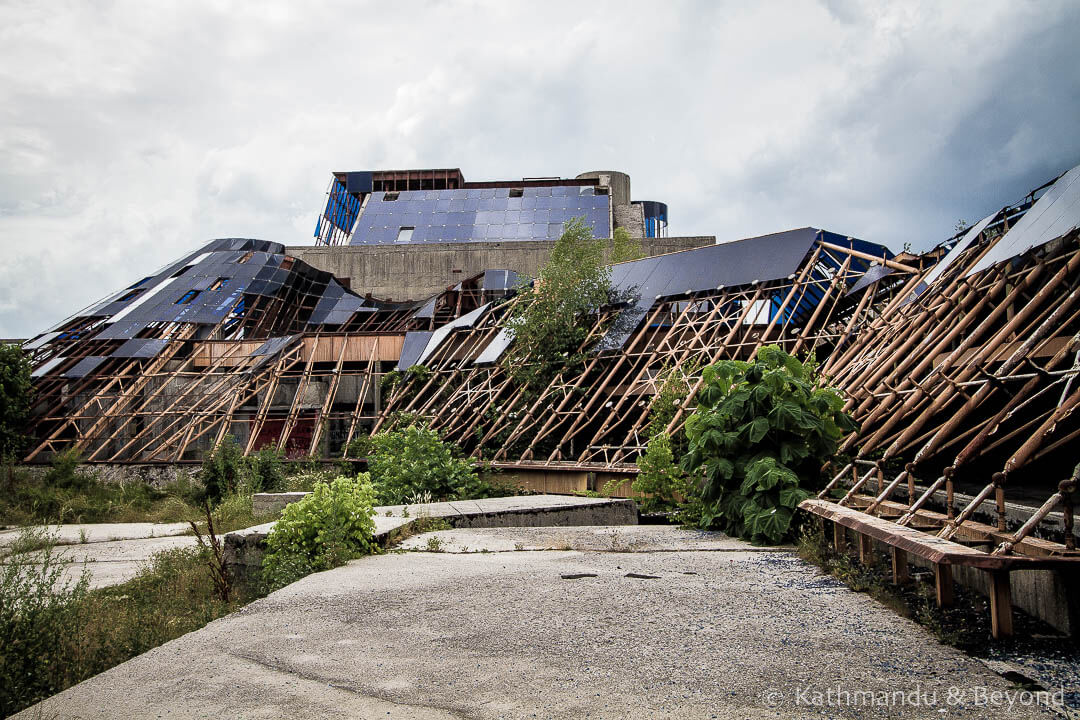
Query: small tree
{"x":15,"y":394}
{"x":546,"y":321}
{"x":758,"y":438}
{"x":624,"y":247}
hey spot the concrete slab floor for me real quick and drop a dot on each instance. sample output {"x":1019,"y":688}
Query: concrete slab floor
{"x":682,"y":633}
{"x":74,"y":534}
{"x":622,"y":538}
{"x":109,"y":563}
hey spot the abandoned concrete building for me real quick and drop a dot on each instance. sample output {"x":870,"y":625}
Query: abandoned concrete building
{"x":959,"y":363}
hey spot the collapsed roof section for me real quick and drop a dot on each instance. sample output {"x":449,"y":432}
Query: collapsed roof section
{"x":733,"y":264}
{"x":214,"y":329}
{"x":682,"y":310}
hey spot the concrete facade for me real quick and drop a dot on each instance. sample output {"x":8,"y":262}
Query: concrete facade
{"x":413,"y":272}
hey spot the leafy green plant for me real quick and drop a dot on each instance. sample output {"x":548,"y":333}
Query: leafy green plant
{"x":37,"y":621}
{"x":64,"y":471}
{"x":390,"y":379}
{"x":412,"y":460}
{"x":223,"y":469}
{"x":15,"y":394}
{"x":266,"y":469}
{"x":327,"y":528}
{"x":757,"y":440}
{"x":624,"y":247}
{"x":545,"y":320}
{"x":660,"y":479}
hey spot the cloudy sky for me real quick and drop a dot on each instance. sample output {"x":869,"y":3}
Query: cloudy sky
{"x":133,"y":132}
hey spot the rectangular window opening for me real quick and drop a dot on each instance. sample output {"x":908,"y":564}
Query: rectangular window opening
{"x":517,"y":192}
{"x":181,"y":271}
{"x":390,"y":196}
{"x":128,"y":295}
{"x":219,"y":283}
{"x":188,"y":297}
{"x":601,"y":190}
{"x":244,"y":259}
{"x":404,"y":234}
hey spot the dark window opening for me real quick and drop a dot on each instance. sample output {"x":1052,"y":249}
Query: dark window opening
{"x":128,"y":295}
{"x":601,"y":191}
{"x":181,"y":271}
{"x":517,"y":192}
{"x":390,"y":196}
{"x":141,"y":282}
{"x":188,"y":297}
{"x":219,"y":283}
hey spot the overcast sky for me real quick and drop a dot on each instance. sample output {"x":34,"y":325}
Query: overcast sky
{"x":131,"y":133}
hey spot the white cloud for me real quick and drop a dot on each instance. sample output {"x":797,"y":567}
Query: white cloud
{"x":132,"y":132}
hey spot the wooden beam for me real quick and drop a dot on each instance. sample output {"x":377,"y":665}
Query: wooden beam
{"x":1001,"y":619}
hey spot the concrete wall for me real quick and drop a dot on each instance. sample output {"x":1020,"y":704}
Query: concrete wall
{"x":412,"y":272}
{"x":632,"y":219}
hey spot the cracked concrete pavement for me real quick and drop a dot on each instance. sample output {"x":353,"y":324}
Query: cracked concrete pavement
{"x":723,"y":630}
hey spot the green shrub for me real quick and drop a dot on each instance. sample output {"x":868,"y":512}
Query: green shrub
{"x":64,"y":471}
{"x":266,"y":469}
{"x":412,"y":460}
{"x":38,"y":623}
{"x":224,"y":469}
{"x":327,"y":528}
{"x":663,"y":482}
{"x":624,"y":247}
{"x":758,"y":438}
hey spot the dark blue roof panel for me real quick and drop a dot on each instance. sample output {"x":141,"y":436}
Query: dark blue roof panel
{"x":480,"y":214}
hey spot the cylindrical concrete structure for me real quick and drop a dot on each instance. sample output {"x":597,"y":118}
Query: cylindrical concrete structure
{"x":618,"y":182}
{"x":656,"y":218}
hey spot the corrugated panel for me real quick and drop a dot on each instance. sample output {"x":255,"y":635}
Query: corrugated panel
{"x":956,"y":251}
{"x":768,"y":257}
{"x":870,"y":277}
{"x":47,"y":366}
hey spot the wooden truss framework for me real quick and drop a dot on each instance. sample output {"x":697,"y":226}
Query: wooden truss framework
{"x":973,"y":381}
{"x":207,"y":382}
{"x":974,"y":377}
{"x":596,"y":415}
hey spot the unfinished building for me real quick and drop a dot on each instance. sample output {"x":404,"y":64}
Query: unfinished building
{"x":959,"y":364}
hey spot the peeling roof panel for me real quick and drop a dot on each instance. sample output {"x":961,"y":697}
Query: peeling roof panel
{"x":1054,"y":214}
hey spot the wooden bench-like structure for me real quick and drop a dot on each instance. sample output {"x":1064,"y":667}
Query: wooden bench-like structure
{"x":945,"y":540}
